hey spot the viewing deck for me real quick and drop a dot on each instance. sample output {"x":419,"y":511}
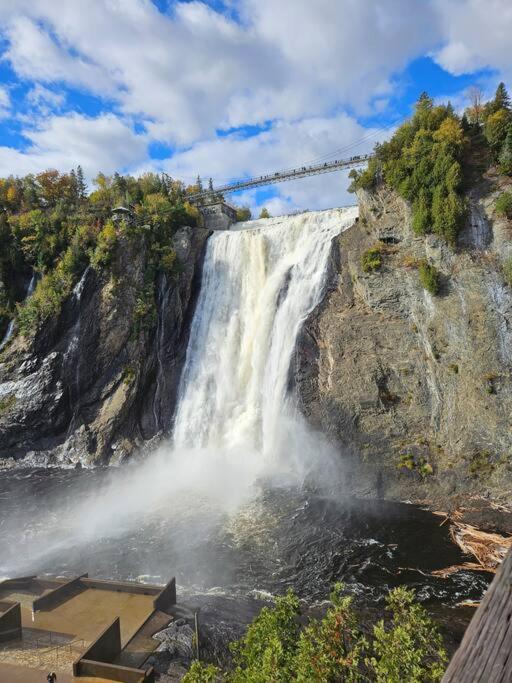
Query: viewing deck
{"x":83,"y":629}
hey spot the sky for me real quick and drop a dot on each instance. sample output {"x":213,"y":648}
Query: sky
{"x":230,"y":89}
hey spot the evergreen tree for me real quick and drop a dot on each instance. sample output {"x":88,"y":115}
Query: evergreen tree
{"x":80,"y":183}
{"x":501,"y":98}
{"x":199,"y":184}
{"x":505,"y":159}
{"x":74,"y":184}
{"x":210,"y":185}
{"x":120,"y":187}
{"x":496,"y":127}
{"x":264,"y":213}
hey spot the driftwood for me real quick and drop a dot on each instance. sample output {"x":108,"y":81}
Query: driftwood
{"x":485,"y":654}
{"x":489,"y":549}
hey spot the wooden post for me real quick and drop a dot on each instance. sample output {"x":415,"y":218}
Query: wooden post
{"x":485,"y":654}
{"x":197,"y":635}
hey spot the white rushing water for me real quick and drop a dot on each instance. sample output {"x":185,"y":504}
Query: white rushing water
{"x":259,"y":284}
{"x":11,"y":327}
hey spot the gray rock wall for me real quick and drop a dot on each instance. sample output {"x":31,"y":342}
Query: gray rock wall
{"x":415,"y":389}
{"x":93,"y":385}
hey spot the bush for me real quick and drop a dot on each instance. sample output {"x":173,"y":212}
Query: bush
{"x":371,"y":260}
{"x":405,"y":647}
{"x":243,"y":213}
{"x":504,"y":205}
{"x":107,"y":239}
{"x":429,"y":277}
{"x":507,"y":270}
{"x":410,"y":647}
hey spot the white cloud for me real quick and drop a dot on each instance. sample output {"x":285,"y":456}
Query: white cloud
{"x":45,"y":99}
{"x":103,"y":143}
{"x":35,"y":55}
{"x":476,"y":34}
{"x":194,"y":71}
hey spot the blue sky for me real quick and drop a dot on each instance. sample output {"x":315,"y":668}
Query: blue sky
{"x":232,"y":88}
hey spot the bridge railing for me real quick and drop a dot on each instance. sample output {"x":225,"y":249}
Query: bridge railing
{"x":282,"y":176}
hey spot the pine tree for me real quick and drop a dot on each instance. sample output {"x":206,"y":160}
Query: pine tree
{"x":74,"y":184}
{"x":210,"y":185}
{"x":199,"y":184}
{"x":501,"y":98}
{"x":80,"y":183}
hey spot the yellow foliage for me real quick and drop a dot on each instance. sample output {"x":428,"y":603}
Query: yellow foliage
{"x":11,"y":195}
{"x":449,"y":131}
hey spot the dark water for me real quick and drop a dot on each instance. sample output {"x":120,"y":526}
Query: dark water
{"x":226,"y":564}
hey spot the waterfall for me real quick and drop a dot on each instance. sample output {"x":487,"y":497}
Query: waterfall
{"x":259,"y":284}
{"x":12,"y":324}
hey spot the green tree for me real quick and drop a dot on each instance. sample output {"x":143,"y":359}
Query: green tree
{"x":409,"y":648}
{"x":266,"y":652}
{"x":505,"y":158}
{"x":243,"y":213}
{"x":429,"y":277}
{"x":330,"y":649}
{"x":501,"y":98}
{"x":496,"y":129}
{"x":264,"y":213}
{"x":81,"y":184}
{"x":405,"y":646}
{"x":422,"y":162}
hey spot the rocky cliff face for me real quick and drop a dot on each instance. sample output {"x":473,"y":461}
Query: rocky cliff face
{"x":416,"y":389}
{"x":94,"y":384}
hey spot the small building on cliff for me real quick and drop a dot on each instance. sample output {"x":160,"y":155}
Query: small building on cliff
{"x":218,"y":216}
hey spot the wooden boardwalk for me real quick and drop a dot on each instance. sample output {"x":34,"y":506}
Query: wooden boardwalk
{"x":485,"y":654}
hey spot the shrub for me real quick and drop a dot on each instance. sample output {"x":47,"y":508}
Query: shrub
{"x":405,"y":647}
{"x":507,"y":270}
{"x":6,"y":403}
{"x":107,"y":239}
{"x":481,"y":464}
{"x":429,"y":277}
{"x":504,"y":204}
{"x":243,"y":213}
{"x":47,"y":299}
{"x":410,"y":647}
{"x":371,"y":259}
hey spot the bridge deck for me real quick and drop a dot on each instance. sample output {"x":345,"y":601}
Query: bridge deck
{"x":282,"y":176}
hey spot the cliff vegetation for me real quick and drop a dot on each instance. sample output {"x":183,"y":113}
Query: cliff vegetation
{"x":51,"y":227}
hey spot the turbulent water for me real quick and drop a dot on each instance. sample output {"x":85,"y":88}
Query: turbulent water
{"x":245,"y":499}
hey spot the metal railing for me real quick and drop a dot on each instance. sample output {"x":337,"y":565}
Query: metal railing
{"x":78,"y":644}
{"x":282,"y":176}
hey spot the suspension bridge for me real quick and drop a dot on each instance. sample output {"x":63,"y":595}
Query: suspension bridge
{"x":279,"y":177}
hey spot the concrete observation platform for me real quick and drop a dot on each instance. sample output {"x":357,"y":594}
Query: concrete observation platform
{"x":86,"y":630}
